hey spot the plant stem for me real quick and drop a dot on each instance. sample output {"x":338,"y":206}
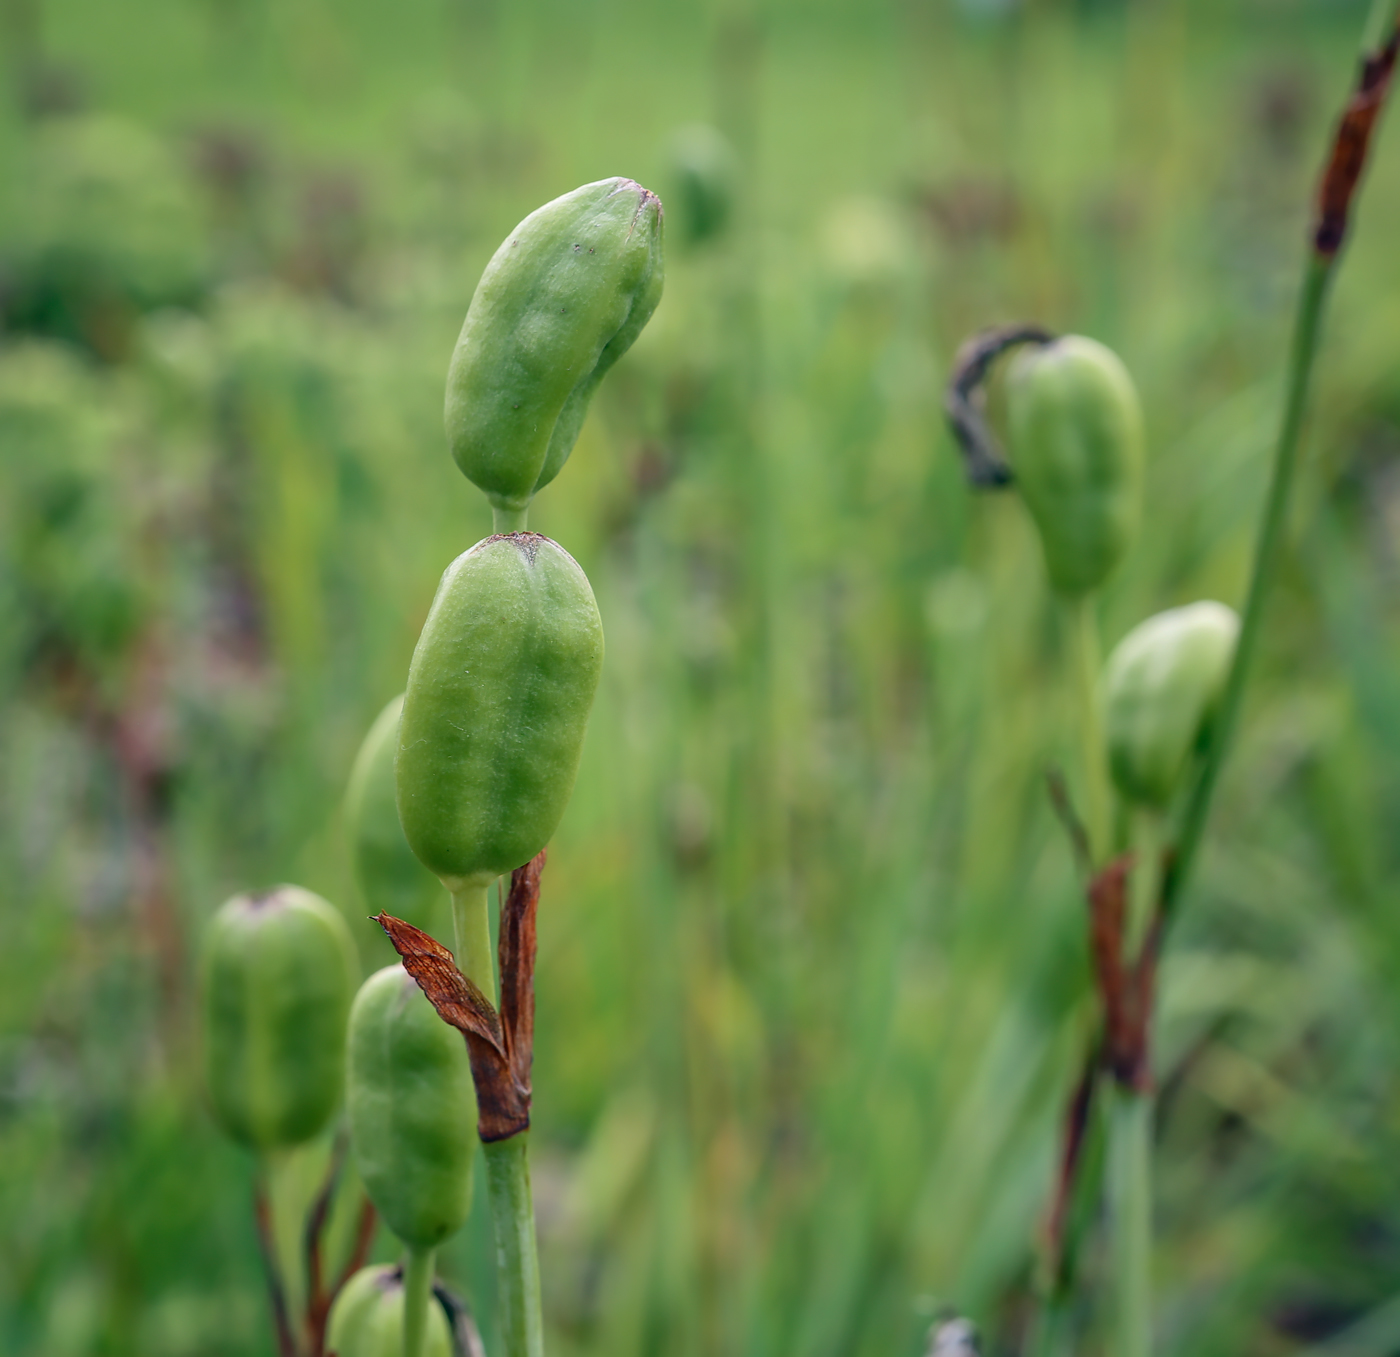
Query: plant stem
{"x":1306,"y":333}
{"x":517,"y":1262}
{"x":508,"y":520}
{"x":1145,"y":884}
{"x":417,"y":1292}
{"x":471,"y":931}
{"x":1130,"y":1215}
{"x":1084,"y":642}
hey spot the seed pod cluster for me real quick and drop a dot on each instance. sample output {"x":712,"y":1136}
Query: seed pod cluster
{"x":411,"y":1104}
{"x":367,"y":1318}
{"x":561,"y":301}
{"x":1162,"y":684}
{"x":1075,"y":437}
{"x":279,"y":975}
{"x":499,"y":692}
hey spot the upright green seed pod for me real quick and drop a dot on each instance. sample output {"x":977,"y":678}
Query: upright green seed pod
{"x":1162,"y":685}
{"x":367,"y":1318}
{"x":560,"y":302}
{"x":411,"y":1103}
{"x":389,"y":877}
{"x":498,"y":697}
{"x":1075,"y":440}
{"x":279,"y":974}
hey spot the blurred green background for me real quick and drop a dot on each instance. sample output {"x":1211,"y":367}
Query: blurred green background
{"x":812,"y":974}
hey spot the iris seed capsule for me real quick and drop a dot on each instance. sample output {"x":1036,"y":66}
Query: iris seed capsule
{"x":390,"y":879}
{"x":411,"y":1101}
{"x":1076,"y":442}
{"x":279,"y":974}
{"x":498,"y":698}
{"x":367,"y":1318}
{"x":1162,"y":685}
{"x":561,"y":301}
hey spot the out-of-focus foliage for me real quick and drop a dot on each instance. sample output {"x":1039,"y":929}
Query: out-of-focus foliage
{"x":812,"y":967}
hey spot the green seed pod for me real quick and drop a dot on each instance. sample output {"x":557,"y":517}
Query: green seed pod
{"x":1162,"y":685}
{"x":279,"y":974}
{"x":498,"y":698}
{"x":412,"y":1108}
{"x":1076,"y":443}
{"x":389,"y":877}
{"x":367,"y":1318}
{"x":560,"y":302}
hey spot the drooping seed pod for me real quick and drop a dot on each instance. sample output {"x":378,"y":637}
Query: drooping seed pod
{"x":704,"y":170}
{"x":279,"y":974}
{"x":389,"y":877}
{"x":367,"y":1318}
{"x":412,"y":1107}
{"x":561,"y":301}
{"x":498,"y":698}
{"x":1162,"y":685}
{"x":1075,"y":439}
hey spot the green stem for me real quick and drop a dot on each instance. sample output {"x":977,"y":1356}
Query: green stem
{"x":1145,"y":884}
{"x":509,"y":520}
{"x":517,"y":1261}
{"x":471,"y":931}
{"x":1306,"y":333}
{"x":417,"y":1292}
{"x":1084,"y":643}
{"x":1130,"y":1216}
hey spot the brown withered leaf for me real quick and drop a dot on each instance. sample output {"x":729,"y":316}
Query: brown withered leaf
{"x":458,"y":1001}
{"x":516,"y":953}
{"x":1126,"y":988}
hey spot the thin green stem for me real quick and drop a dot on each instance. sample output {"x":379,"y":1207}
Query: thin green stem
{"x":1380,"y":22}
{"x":1084,"y":642}
{"x":1145,"y":884}
{"x":1130,"y":1217}
{"x":517,"y":1260}
{"x":471,"y":930}
{"x":509,"y":520}
{"x":417,"y":1293}
{"x":1306,"y":334}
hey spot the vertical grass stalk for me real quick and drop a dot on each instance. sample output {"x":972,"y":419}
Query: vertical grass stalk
{"x":521,"y":1318}
{"x":1130,"y":1217}
{"x":1083,"y":630}
{"x":417,"y":1293}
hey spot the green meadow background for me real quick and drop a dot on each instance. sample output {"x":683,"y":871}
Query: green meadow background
{"x":812,"y":979}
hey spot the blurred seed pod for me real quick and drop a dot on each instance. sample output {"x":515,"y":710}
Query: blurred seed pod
{"x":1162,"y":685}
{"x":367,"y":1317}
{"x":1075,"y":438}
{"x":499,"y":692}
{"x":279,"y":975}
{"x":704,"y":172}
{"x":561,"y":301}
{"x":388,"y":876}
{"x":412,"y":1109}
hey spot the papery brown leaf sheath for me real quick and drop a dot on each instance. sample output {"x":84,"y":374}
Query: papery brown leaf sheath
{"x":1127,"y":989}
{"x":501,"y":1046}
{"x":1350,"y":146}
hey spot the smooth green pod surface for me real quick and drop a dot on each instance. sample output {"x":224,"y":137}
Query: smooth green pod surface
{"x":367,"y":1318}
{"x":499,"y":692}
{"x":1076,"y":443}
{"x":1162,"y":685}
{"x":412,"y":1109}
{"x":279,"y":974}
{"x":561,"y":301}
{"x":387,"y":874}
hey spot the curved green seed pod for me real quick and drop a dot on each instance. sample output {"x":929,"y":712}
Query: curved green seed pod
{"x":1076,"y":443}
{"x":279,"y":974}
{"x":412,"y":1106}
{"x":560,"y":302}
{"x":498,"y":698}
{"x":367,"y":1318}
{"x":1162,"y":685}
{"x":389,"y":877}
